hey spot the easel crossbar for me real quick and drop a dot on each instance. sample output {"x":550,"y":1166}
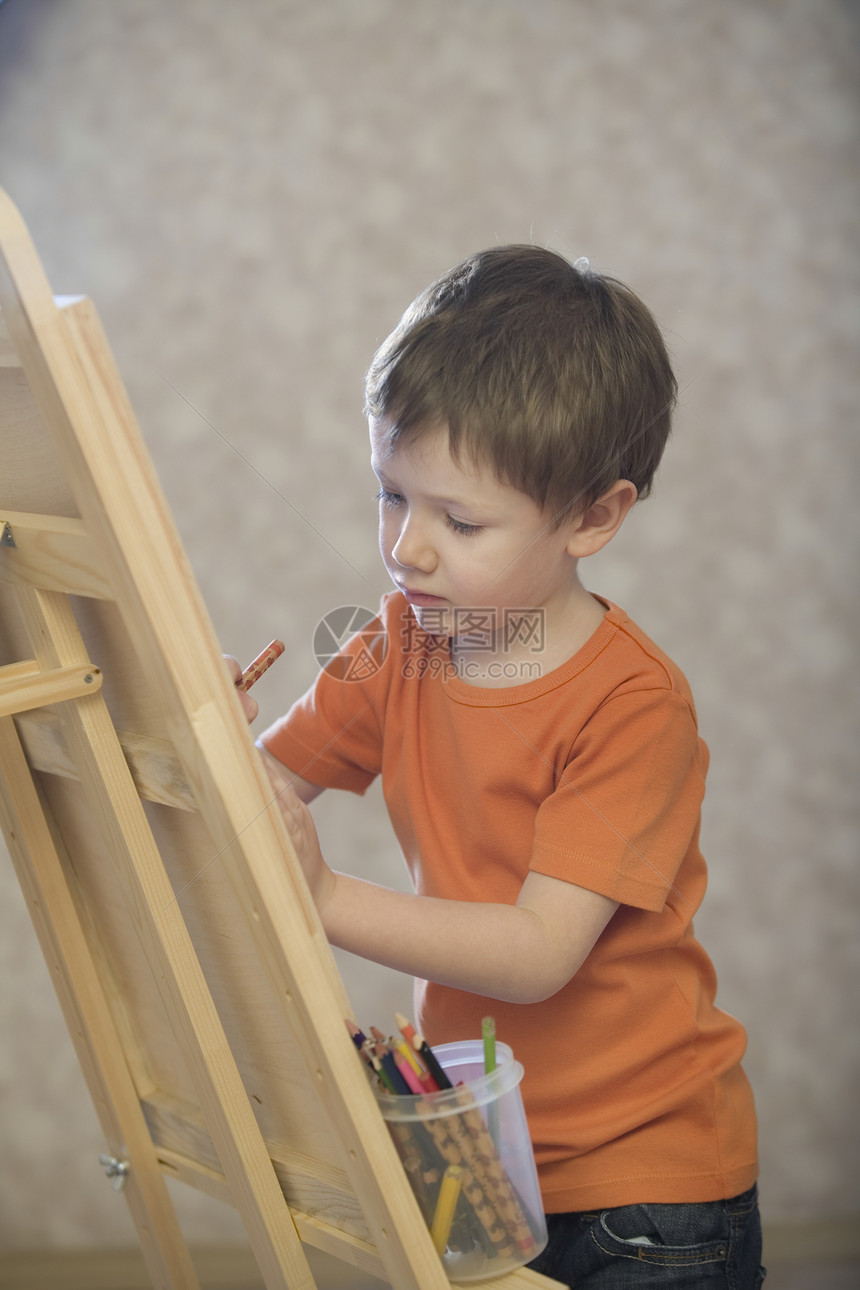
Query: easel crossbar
{"x":24,"y":687}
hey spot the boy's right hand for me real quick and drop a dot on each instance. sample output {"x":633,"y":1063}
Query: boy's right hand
{"x":250,"y":707}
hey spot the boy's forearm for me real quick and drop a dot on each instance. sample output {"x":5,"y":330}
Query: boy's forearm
{"x":499,"y":951}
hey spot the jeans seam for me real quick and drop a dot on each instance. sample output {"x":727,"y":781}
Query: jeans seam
{"x":651,"y":1253}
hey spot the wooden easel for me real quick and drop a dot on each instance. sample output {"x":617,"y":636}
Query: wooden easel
{"x":194,"y":975}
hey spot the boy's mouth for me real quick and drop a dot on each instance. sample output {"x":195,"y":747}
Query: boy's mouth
{"x":420,"y":598}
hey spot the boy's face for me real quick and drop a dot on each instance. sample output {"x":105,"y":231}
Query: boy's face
{"x":453,"y":537}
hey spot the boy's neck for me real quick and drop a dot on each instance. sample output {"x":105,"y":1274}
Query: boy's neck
{"x":550,"y":636}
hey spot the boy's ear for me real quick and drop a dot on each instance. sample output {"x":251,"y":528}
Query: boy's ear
{"x":594,"y":527}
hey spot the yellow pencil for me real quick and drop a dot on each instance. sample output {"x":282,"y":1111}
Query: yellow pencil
{"x":449,"y":1193}
{"x":406,"y":1052}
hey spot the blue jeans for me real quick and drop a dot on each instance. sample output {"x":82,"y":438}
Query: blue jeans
{"x":706,"y":1246}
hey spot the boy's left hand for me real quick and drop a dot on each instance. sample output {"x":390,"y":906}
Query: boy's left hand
{"x":303,"y":833}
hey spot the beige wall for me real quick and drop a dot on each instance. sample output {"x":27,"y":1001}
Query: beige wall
{"x":251,"y":192}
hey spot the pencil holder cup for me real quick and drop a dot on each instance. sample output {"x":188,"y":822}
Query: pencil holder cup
{"x":468,"y":1156}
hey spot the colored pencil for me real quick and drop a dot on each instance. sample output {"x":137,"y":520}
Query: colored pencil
{"x":443,"y":1217}
{"x":405,"y":1051}
{"x":488,"y":1033}
{"x":261,"y":664}
{"x":380,"y":1072}
{"x":357,"y":1037}
{"x":425,"y":1052}
{"x":389,"y":1065}
{"x":408,"y":1074}
{"x":405,"y":1027}
{"x":363,"y":1045}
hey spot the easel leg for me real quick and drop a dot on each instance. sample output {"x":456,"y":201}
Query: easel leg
{"x":43,"y":880}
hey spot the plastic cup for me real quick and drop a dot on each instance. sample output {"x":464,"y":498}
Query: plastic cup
{"x":477,"y":1133}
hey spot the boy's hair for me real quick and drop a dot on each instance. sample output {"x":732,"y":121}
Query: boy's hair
{"x":553,"y":375}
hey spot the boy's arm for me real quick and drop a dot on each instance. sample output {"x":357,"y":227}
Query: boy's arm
{"x":521,"y":953}
{"x":281,"y":777}
{"x":518,"y":953}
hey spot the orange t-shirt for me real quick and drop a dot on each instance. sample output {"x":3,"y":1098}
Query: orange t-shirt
{"x":593,"y":774}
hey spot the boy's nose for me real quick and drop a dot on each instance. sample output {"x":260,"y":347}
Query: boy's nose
{"x":412,"y":551}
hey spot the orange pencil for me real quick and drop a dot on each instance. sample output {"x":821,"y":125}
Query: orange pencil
{"x":261,"y":664}
{"x":405,"y":1027}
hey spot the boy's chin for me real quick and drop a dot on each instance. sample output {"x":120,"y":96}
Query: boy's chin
{"x":436,"y":620}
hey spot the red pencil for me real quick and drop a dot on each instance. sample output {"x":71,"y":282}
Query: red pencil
{"x":261,"y":664}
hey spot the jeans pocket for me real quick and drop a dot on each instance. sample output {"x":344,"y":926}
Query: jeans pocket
{"x":677,"y":1236}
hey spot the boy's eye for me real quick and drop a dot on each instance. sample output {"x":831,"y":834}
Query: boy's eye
{"x":460,"y":526}
{"x":388,"y":498}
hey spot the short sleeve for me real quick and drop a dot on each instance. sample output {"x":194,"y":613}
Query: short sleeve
{"x":332,"y":736}
{"x":626,"y":808}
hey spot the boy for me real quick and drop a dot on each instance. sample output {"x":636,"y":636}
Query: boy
{"x":541,"y":765}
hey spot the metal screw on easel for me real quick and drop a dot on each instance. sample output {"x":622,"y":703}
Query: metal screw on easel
{"x":116,"y":1170}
